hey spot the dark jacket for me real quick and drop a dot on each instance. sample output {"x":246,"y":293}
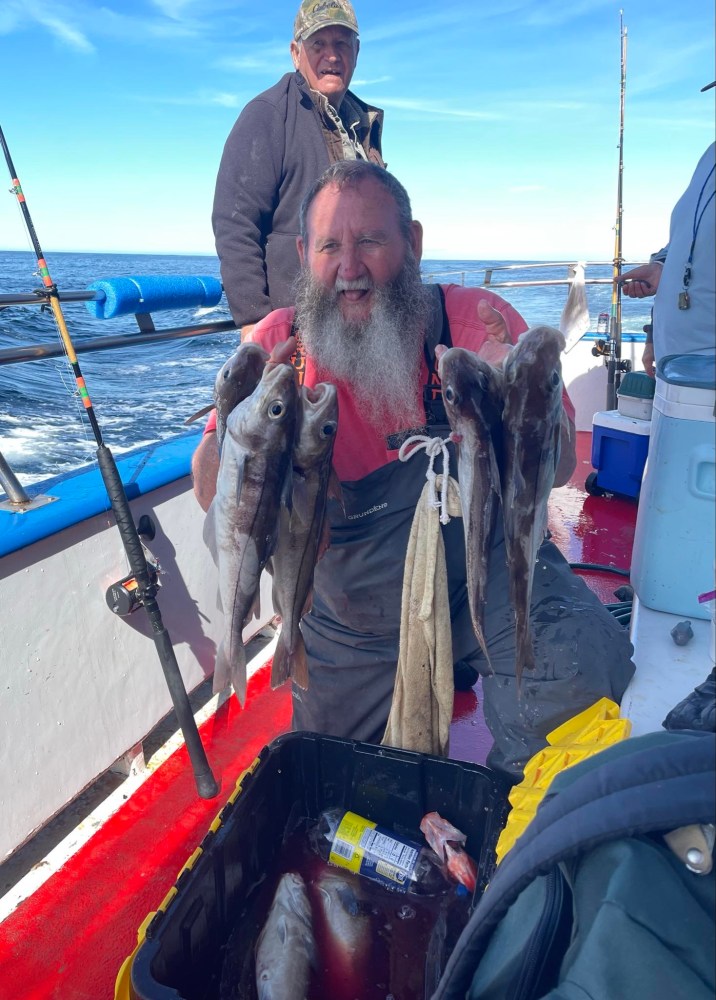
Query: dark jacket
{"x":274,"y":152}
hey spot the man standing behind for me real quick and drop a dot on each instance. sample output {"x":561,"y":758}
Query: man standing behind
{"x":282,"y":141}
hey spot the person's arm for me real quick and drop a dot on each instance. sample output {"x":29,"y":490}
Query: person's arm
{"x":643,"y":280}
{"x":205,"y":469}
{"x":567,"y":450}
{"x":244,"y":201}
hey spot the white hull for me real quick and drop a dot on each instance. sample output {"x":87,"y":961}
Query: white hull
{"x":80,"y":686}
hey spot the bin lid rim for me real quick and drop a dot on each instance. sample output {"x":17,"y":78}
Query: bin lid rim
{"x":697,"y":371}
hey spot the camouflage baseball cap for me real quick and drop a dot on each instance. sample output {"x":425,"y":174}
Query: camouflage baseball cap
{"x":316,"y":14}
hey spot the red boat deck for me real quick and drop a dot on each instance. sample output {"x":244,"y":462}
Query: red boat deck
{"x":69,"y":939}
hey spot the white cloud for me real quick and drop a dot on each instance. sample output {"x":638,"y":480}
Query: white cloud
{"x":370,"y":83}
{"x":435,"y":108}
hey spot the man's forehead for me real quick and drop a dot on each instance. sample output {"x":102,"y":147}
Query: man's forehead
{"x":367,"y":192}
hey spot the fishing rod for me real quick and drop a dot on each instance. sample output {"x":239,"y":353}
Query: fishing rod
{"x":146,"y":582}
{"x":615,"y":365}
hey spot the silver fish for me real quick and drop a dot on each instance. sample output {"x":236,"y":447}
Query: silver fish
{"x":531,"y":434}
{"x":286,"y":948}
{"x":346,"y":932}
{"x":236,"y":379}
{"x":473,"y":403}
{"x":241,"y":524}
{"x":302,"y":528}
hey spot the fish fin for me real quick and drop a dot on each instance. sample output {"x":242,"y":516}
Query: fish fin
{"x":287,"y":487}
{"x":280,"y":666}
{"x":199,"y":413}
{"x":300,"y":500}
{"x":335,"y":490}
{"x":299,"y":663}
{"x":240,"y":466}
{"x":324,"y":542}
{"x":308,"y":603}
{"x":254,"y":611}
{"x":348,"y":899}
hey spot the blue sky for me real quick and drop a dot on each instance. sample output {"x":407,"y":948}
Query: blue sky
{"x":502,"y":120}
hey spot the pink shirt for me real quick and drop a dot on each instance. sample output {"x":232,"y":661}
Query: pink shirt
{"x":359,"y":448}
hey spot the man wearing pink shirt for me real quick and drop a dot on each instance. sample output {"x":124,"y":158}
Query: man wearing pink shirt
{"x":367,"y":323}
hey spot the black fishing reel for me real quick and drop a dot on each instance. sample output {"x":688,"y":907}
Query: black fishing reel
{"x":123,"y":597}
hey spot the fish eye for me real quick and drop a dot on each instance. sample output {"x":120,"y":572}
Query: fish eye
{"x":451,"y":396}
{"x":555,"y":379}
{"x":328,"y":429}
{"x":276,"y":409}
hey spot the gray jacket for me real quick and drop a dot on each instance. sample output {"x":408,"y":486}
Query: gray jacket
{"x":278,"y":147}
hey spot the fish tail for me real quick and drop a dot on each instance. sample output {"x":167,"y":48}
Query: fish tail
{"x":524,"y":653}
{"x":237,"y":671}
{"x":221,"y":671}
{"x":280,"y":666}
{"x":299,"y":664}
{"x":480,"y":636}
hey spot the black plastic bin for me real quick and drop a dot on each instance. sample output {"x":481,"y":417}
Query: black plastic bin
{"x":300,"y":775}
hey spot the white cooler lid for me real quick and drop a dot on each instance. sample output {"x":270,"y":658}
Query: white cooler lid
{"x":686,"y":386}
{"x":619,"y":422}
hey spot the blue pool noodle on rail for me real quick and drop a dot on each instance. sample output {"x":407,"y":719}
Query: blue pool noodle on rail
{"x":153,"y":293}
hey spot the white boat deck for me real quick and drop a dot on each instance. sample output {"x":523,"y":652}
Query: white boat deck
{"x":665,"y":673}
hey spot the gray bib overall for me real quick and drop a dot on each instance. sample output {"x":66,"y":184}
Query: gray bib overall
{"x":352,"y":631}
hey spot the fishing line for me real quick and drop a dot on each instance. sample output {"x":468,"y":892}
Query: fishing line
{"x":145,"y":581}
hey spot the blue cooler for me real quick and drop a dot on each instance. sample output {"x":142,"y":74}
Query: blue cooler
{"x":619,"y":448}
{"x":673,"y":555}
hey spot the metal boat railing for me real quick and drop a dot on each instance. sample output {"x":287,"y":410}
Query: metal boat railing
{"x":488,"y":271}
{"x":147,"y":333}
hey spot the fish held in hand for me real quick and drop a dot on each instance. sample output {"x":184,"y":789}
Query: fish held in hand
{"x":302,"y":532}
{"x":286,"y":948}
{"x":531,"y":439}
{"x":241,"y":525}
{"x":236,"y":379}
{"x":473,"y":403}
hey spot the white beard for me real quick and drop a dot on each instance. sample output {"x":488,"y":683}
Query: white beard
{"x":379,"y":358}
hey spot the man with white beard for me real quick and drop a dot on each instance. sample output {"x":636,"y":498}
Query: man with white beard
{"x":365,"y":322}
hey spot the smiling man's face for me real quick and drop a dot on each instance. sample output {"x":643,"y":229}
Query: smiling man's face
{"x":327,"y":60}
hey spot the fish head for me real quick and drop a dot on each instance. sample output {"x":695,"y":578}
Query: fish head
{"x":291,"y":894}
{"x":286,"y":946}
{"x":470,"y":388}
{"x":317,"y":424}
{"x":236,"y":379}
{"x":336,"y":891}
{"x":268,"y":415}
{"x":533,"y":368}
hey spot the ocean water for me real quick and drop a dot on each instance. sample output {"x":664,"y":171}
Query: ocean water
{"x":144,"y":393}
